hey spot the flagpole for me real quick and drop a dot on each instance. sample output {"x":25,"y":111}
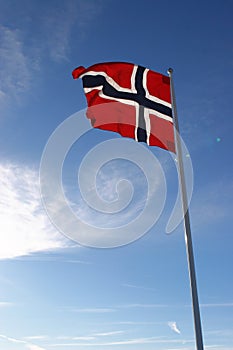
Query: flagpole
{"x":187,"y":228}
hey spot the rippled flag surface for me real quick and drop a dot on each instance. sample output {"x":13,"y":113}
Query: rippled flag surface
{"x":131,"y":100}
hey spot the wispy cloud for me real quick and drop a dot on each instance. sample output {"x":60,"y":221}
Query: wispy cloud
{"x":88,"y":337}
{"x":125,"y":207}
{"x":33,"y":347}
{"x":15,"y":76}
{"x":52,"y":258}
{"x":220,"y":332}
{"x":5,"y":304}
{"x":129,"y":285}
{"x":218,"y":305}
{"x":95,"y":310}
{"x":12,"y":340}
{"x":134,"y":323}
{"x":146,"y":306}
{"x":36,"y":337}
{"x":22,"y":57}
{"x":107,"y":334}
{"x":117,"y":308}
{"x":174,"y":327}
{"x":134,"y":341}
{"x":83,"y":338}
{"x":26,"y":344}
{"x":82,"y":262}
{"x":59,"y":22}
{"x":121,"y":186}
{"x":58,"y":39}
{"x":25,"y":228}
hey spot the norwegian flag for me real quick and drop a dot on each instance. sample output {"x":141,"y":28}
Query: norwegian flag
{"x":130,"y":100}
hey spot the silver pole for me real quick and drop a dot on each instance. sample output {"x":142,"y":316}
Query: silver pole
{"x":187,"y":229}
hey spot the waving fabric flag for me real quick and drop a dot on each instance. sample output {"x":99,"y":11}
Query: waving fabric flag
{"x":131,"y":100}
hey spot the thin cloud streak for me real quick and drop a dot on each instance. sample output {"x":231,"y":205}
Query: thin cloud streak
{"x":106,"y":334}
{"x":135,"y":341}
{"x":217,"y":305}
{"x":146,"y":306}
{"x":135,"y":323}
{"x":128,"y":285}
{"x":54,"y":259}
{"x":94,"y":310}
{"x":36,"y":337}
{"x":5,"y":304}
{"x":120,"y":307}
{"x":28,"y":345}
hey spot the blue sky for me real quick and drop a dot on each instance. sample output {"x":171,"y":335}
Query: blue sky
{"x":56,"y":294}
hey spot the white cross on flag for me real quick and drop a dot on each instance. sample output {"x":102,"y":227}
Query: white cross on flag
{"x":131,"y":100}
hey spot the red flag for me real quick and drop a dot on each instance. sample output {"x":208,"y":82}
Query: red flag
{"x":131,"y":100}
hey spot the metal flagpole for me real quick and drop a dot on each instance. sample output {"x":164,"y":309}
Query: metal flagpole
{"x":187,"y":229}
